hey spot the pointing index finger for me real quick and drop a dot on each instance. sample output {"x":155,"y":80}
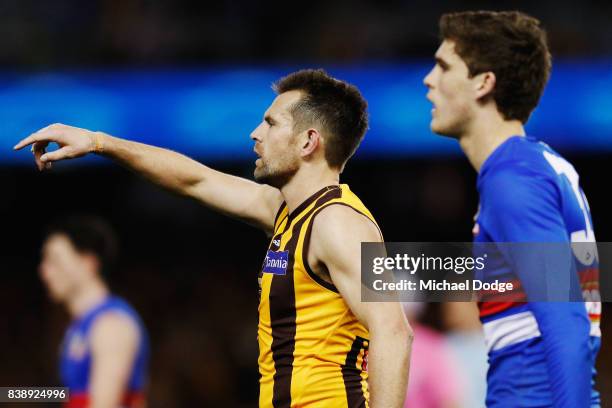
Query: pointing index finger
{"x":25,"y":142}
{"x":41,"y":135}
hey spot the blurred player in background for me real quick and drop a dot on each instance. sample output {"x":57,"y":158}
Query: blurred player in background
{"x":435,"y":379}
{"x":465,"y":339}
{"x":105,"y":350}
{"x":490,"y":72}
{"x":314,"y":331}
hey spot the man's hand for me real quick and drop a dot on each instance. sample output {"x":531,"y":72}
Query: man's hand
{"x":73,"y":142}
{"x":236,"y":197}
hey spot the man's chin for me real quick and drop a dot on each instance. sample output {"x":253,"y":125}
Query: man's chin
{"x":55,"y":297}
{"x":263,"y":177}
{"x":277,"y":180}
{"x":270,"y":180}
{"x":260,"y":175}
{"x":441,"y":130}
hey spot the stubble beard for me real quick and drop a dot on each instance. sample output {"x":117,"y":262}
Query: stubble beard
{"x":278,"y":177}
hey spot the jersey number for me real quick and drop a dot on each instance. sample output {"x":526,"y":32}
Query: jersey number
{"x":586,"y":254}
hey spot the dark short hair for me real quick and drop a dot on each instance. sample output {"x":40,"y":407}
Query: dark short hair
{"x":337,"y":106}
{"x":510,"y":44}
{"x":88,"y":234}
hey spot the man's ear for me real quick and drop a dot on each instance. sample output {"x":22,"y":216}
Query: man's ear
{"x":312,"y":141}
{"x":485,"y":84}
{"x":91,"y":261}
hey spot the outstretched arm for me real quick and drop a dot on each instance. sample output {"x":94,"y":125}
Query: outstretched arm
{"x":237,"y":197}
{"x":337,"y":234}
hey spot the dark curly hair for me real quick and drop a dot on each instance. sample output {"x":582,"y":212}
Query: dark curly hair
{"x":337,"y":106}
{"x":510,"y":44}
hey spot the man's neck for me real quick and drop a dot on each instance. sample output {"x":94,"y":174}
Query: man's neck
{"x":87,"y":298}
{"x":486,"y":135}
{"x":306,"y":182}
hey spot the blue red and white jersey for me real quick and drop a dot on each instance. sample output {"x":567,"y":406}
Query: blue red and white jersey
{"x":541,"y":354}
{"x":76,"y":357}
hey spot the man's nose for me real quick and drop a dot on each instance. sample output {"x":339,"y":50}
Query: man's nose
{"x":427,"y":81}
{"x":255,"y":134}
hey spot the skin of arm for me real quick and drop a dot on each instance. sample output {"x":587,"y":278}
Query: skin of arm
{"x":237,"y":197}
{"x":114,"y":343}
{"x":335,"y":246}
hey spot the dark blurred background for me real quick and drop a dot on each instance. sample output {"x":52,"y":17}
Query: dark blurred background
{"x":192,"y":274}
{"x":71,"y":33}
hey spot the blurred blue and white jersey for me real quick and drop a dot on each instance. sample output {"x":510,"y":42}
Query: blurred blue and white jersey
{"x":541,"y":354}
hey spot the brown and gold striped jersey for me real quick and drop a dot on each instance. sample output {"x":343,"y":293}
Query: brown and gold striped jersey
{"x":312,"y":348}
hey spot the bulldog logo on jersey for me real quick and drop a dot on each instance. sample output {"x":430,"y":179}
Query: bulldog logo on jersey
{"x":276,"y":262}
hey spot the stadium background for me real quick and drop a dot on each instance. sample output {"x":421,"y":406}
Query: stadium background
{"x":195,"y":77}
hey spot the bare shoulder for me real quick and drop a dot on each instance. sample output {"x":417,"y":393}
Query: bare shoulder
{"x":341,"y":224}
{"x":337,"y":235}
{"x":114,"y":328}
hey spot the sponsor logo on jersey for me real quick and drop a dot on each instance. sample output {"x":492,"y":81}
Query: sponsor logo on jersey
{"x":276,"y":262}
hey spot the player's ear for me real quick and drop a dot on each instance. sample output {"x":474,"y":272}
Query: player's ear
{"x":311,"y":141}
{"x":484,"y":84}
{"x":90,"y":262}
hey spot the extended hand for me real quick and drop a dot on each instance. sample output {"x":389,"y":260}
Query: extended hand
{"x":73,"y":142}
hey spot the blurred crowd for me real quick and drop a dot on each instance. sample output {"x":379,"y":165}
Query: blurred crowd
{"x":65,"y":33}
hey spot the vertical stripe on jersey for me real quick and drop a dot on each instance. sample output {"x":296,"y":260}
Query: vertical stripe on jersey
{"x":283,"y":314}
{"x":306,"y":245}
{"x":351,"y":374}
{"x":278,"y":213}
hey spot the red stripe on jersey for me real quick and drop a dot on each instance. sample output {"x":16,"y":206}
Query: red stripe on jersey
{"x":491,"y":308}
{"x":517,"y":294}
{"x":130,"y":400}
{"x":589,"y":274}
{"x":492,"y":302}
